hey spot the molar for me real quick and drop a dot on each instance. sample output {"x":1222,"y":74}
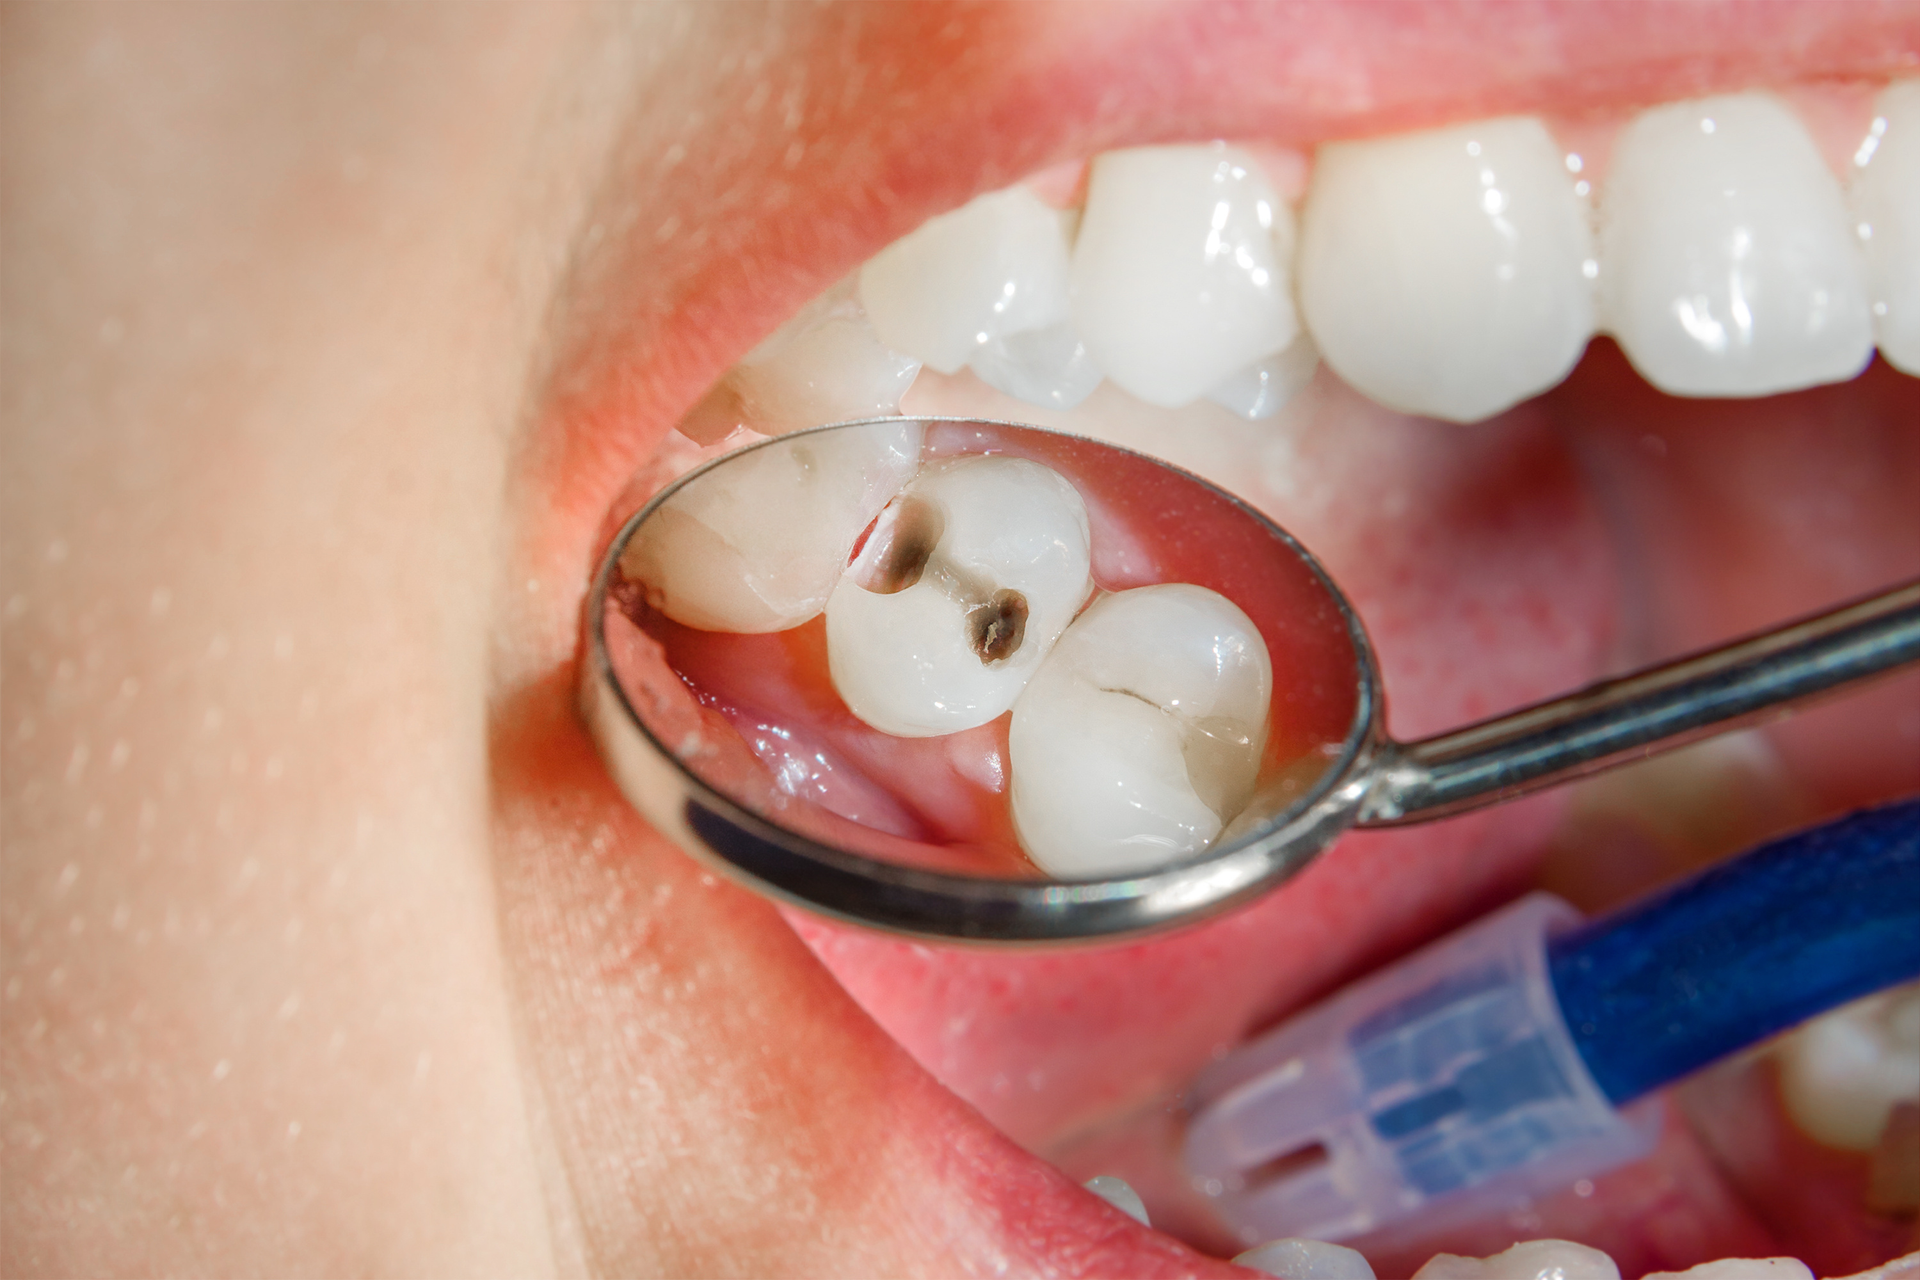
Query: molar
{"x":1446,"y":273}
{"x":1728,"y":266}
{"x":1886,"y":200}
{"x":1181,"y":270}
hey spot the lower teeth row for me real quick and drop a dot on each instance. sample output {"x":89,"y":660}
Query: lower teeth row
{"x":1138,"y":722}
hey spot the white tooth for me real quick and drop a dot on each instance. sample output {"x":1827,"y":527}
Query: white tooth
{"x":1740,"y":1269}
{"x":1528,"y":1260}
{"x":995,"y":266}
{"x":1842,"y":1074}
{"x":1886,"y":199}
{"x":1046,"y":367}
{"x":1307,"y":1260}
{"x":1180,"y":271}
{"x":758,"y":544}
{"x":1728,"y":264}
{"x":1263,"y":388}
{"x":1117,"y":1193}
{"x":967,"y":537}
{"x":1141,"y":733}
{"x":1445,"y":273}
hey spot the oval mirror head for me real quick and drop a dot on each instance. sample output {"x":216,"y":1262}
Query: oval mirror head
{"x":974,"y":680}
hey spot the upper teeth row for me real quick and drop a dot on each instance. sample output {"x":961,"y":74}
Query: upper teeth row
{"x":1450,"y":273}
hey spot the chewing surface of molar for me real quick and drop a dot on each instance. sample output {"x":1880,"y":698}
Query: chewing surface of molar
{"x":1728,"y":264}
{"x":1446,"y":273}
{"x":968,"y":581}
{"x":1140,"y":736}
{"x":1842,"y":1074}
{"x":993,"y":267}
{"x":1528,"y":1260}
{"x":758,"y":545}
{"x":1307,"y":1260}
{"x":1181,"y":269}
{"x":1886,"y":200}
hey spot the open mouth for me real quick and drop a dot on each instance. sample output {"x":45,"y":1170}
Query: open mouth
{"x":838,"y":1102}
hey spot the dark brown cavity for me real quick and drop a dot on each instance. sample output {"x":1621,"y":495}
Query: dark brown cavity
{"x":902,"y":544}
{"x":996,"y":628}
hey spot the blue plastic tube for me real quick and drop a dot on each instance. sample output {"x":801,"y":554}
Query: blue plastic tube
{"x":1727,"y":958}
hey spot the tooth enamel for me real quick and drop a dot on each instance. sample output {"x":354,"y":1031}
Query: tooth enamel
{"x":1728,"y":264}
{"x":1307,"y":1260}
{"x":1046,"y":367}
{"x":758,"y":545}
{"x":993,"y":267}
{"x":824,"y":366}
{"x":1740,"y":1269}
{"x":975,"y":570}
{"x":1886,"y":200}
{"x":1841,"y":1075}
{"x":1117,"y":1193}
{"x":1180,"y":274}
{"x":1441,"y":273}
{"x":1263,"y":388}
{"x":1141,"y":733}
{"x":1528,"y":1260}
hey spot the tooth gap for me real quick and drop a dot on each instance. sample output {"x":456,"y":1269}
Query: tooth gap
{"x":996,"y":628}
{"x":1291,"y":1164}
{"x":902,"y":542}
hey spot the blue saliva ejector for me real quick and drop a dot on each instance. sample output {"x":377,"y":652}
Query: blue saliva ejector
{"x":1491,"y":1067}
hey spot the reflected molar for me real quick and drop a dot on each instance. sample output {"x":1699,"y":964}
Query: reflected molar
{"x":1141,"y":734}
{"x":1841,"y":1075}
{"x":1447,"y":273}
{"x":759,"y":545}
{"x":963,"y":587}
{"x":1528,"y":1260}
{"x":1886,"y":199}
{"x":1728,"y":265}
{"x":1181,"y":270}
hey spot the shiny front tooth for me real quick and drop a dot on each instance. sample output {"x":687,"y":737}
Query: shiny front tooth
{"x":1140,"y":735}
{"x":759,"y":544}
{"x":995,"y":266}
{"x":1117,"y":1193}
{"x":1528,"y":1260}
{"x":1046,"y":367}
{"x":966,"y":582}
{"x":1180,"y":270}
{"x":1886,"y":200}
{"x":1307,"y":1260}
{"x":1842,"y":1074}
{"x":1446,"y":273}
{"x":1263,"y":388}
{"x":1728,"y":265}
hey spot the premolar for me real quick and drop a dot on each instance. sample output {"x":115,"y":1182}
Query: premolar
{"x":1841,"y":1075}
{"x":957,"y":596}
{"x":1886,"y":195}
{"x":1728,"y":265}
{"x":1181,"y":270}
{"x":758,"y":545}
{"x":1528,"y":1260}
{"x":1447,"y":273}
{"x":1141,"y":734}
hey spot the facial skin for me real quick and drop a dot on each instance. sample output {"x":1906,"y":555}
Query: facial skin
{"x":330,"y":335}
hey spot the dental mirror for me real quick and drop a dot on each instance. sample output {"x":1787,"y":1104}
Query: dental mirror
{"x":972,"y":680}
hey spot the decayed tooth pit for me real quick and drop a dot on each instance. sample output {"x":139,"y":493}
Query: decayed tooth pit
{"x":1450,"y":273}
{"x":1138,"y":722}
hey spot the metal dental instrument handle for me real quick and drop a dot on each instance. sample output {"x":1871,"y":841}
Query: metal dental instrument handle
{"x":1367,"y":778}
{"x":1618,"y":721}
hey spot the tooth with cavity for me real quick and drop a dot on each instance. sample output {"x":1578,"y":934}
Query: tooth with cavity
{"x":1728,"y":263}
{"x":993,"y":267}
{"x":759,"y":544}
{"x":824,"y":365}
{"x":1886,"y":201}
{"x":1447,"y":273}
{"x":964,"y":584}
{"x":1528,"y":1260}
{"x":1294,"y":1259}
{"x":1842,"y":1074}
{"x":1180,"y":270}
{"x":1140,"y":735}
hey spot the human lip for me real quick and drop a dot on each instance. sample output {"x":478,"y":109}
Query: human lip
{"x":1056,"y":102}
